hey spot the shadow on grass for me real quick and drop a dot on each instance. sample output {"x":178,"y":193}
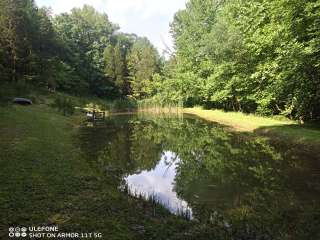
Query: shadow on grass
{"x":308,"y":134}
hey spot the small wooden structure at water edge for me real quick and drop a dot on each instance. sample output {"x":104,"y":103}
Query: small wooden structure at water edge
{"x":95,"y":116}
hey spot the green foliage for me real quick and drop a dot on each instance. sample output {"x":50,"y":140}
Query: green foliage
{"x":143,"y":62}
{"x":255,"y":56}
{"x":123,"y":105}
{"x":84,"y":34}
{"x":78,"y":52}
{"x":251,"y":56}
{"x":27,"y":42}
{"x":116,"y":62}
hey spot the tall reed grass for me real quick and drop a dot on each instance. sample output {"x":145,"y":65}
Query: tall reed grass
{"x":159,"y":106}
{"x":157,"y":203}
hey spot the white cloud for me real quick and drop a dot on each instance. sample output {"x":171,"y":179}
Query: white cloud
{"x":148,"y":18}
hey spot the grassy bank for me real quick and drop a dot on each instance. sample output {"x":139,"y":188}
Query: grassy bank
{"x":309,"y":134}
{"x":45,"y":179}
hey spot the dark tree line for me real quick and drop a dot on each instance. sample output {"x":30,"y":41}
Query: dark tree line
{"x":27,"y":40}
{"x":80,"y":52}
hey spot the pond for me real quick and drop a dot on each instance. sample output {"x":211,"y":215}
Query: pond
{"x":206,"y":173}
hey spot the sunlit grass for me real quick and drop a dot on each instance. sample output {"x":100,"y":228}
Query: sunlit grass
{"x":266,"y":125}
{"x":239,"y":121}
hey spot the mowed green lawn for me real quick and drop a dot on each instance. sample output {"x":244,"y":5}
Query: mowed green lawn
{"x":44,"y":179}
{"x":285,"y":128}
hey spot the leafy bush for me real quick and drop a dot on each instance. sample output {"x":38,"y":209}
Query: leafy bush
{"x":123,"y":105}
{"x":64,"y":105}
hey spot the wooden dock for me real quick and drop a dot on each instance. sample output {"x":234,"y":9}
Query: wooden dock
{"x":96,"y":116}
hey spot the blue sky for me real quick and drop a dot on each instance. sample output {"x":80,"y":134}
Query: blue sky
{"x":148,"y":18}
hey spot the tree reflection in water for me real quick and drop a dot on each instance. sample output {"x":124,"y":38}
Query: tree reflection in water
{"x":245,"y":183}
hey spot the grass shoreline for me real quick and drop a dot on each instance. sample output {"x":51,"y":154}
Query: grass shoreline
{"x":279,"y":128}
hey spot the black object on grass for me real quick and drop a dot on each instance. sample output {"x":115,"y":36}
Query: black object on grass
{"x":22,"y":101}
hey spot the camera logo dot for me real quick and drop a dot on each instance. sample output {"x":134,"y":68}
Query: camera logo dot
{"x":17,"y":232}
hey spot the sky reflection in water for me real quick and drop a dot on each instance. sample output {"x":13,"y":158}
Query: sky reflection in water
{"x":159,"y":183}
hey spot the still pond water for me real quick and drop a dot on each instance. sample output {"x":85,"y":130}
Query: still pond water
{"x":200,"y":170}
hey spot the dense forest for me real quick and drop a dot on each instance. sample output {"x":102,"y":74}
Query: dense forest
{"x":254,"y":56}
{"x":258,"y":56}
{"x":80,"y":52}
